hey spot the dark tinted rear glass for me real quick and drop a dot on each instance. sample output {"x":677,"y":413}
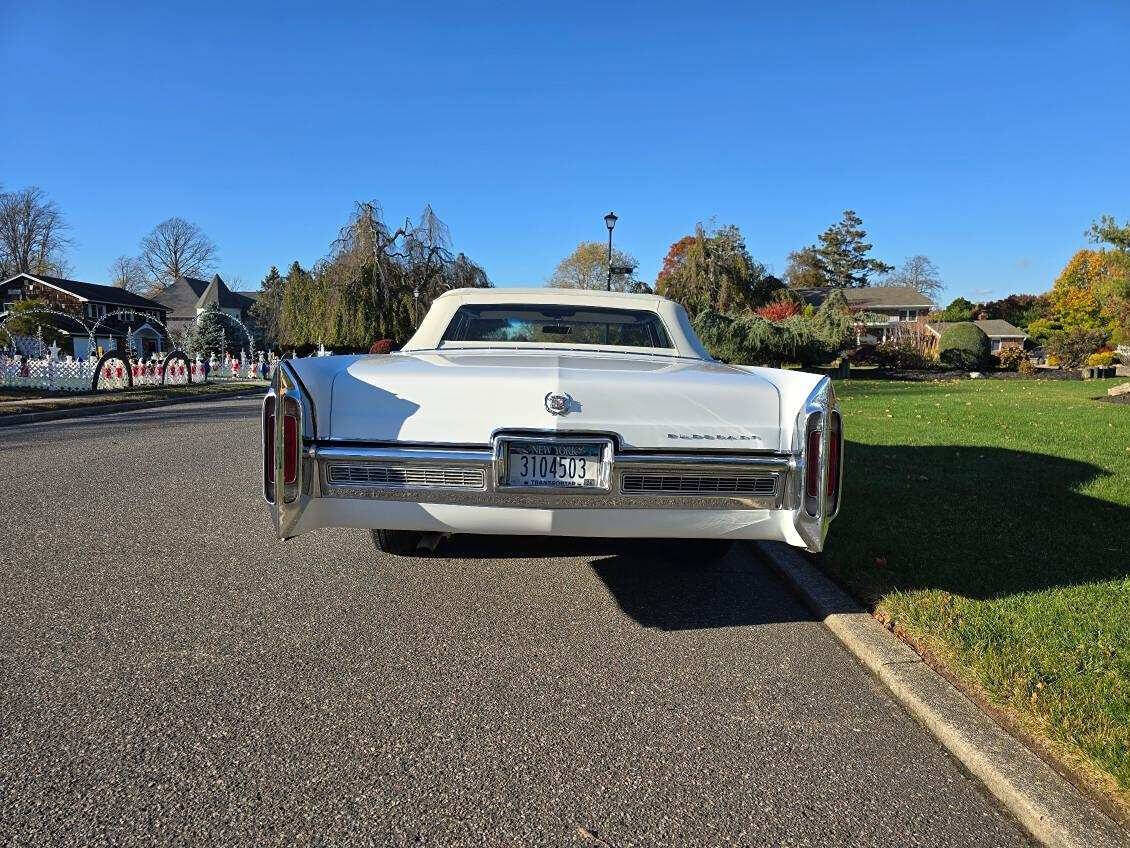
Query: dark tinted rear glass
{"x":546,"y":324}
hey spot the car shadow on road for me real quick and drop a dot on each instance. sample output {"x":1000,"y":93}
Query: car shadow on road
{"x":976,"y":521}
{"x":664,"y":584}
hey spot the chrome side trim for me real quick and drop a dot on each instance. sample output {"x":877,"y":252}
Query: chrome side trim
{"x":776,"y":462}
{"x":533,"y":500}
{"x":409,"y":454}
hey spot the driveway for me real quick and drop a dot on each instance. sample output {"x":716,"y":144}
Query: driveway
{"x":172,"y":673}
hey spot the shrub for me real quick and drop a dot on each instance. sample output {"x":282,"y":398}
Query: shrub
{"x":1072,"y":347}
{"x":1025,"y":367}
{"x":381,"y":346}
{"x":902,"y":354}
{"x":964,"y":346}
{"x":1009,"y":358}
{"x":863,"y":355}
{"x":1103,"y":359}
{"x":779,"y":311}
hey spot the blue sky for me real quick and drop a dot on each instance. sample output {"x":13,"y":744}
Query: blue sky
{"x":986,"y":136}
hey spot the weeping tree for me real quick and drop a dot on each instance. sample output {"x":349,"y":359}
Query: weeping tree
{"x":713,"y":270}
{"x":377,"y":282}
{"x":753,"y":340}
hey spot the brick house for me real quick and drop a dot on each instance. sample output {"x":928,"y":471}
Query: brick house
{"x":1001,"y":333}
{"x":94,"y":306}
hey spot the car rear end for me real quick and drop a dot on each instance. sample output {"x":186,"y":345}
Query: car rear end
{"x":542,"y":474}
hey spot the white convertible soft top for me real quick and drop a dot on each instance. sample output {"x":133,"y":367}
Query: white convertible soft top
{"x":673,"y":316}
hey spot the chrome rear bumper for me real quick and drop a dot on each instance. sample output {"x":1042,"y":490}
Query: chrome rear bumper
{"x":475,"y":476}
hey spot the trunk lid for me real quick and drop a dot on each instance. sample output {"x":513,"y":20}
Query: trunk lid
{"x":463,"y":397}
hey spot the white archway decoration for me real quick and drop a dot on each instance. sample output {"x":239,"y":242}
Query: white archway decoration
{"x":9,"y":315}
{"x":246,"y":332}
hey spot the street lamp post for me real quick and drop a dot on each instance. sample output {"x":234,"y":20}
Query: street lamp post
{"x":610,"y":222}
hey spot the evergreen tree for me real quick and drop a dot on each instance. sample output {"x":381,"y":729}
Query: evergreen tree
{"x":839,"y":260}
{"x":302,"y":316}
{"x":267,"y":309}
{"x":208,"y":336}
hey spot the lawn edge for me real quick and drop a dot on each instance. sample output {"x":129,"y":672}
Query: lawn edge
{"x":1094,"y":783}
{"x":1050,"y":808}
{"x":94,"y":409}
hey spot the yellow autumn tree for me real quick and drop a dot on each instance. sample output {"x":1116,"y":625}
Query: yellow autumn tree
{"x":1093,"y":293}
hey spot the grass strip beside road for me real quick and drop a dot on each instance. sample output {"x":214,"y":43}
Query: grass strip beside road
{"x":14,"y":401}
{"x":989,"y":522}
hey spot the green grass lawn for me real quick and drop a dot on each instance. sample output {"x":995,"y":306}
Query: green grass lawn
{"x":989,"y":520}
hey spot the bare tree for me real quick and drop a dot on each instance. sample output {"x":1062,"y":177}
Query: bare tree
{"x":33,"y":236}
{"x":176,"y":248}
{"x":128,"y":272}
{"x":918,"y":273}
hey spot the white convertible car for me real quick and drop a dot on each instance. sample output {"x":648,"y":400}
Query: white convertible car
{"x":551,"y":412}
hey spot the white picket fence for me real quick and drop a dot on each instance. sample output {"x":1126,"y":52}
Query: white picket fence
{"x":67,"y":374}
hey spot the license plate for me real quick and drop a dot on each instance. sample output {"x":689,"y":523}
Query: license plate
{"x":556,"y":465}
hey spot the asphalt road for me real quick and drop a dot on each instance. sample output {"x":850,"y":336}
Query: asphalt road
{"x":171,"y":673}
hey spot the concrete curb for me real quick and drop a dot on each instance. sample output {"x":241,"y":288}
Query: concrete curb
{"x":110,"y":408}
{"x":1052,"y":810}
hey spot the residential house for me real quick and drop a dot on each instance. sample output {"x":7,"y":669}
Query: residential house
{"x":1001,"y":333}
{"x":888,"y":311}
{"x":118,"y":318}
{"x":186,"y":298}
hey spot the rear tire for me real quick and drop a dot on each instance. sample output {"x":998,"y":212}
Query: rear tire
{"x":398,"y":542}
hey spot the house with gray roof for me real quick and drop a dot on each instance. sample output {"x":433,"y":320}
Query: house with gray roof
{"x":1001,"y":333}
{"x":886,"y":311}
{"x":186,"y":298}
{"x":118,"y":319}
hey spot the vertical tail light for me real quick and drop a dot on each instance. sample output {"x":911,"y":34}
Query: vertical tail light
{"x":290,"y":440}
{"x":290,"y":445}
{"x":269,"y":448}
{"x":813,"y":435}
{"x":835,"y":456}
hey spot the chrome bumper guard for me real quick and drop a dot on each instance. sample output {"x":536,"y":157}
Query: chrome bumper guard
{"x":473,"y":476}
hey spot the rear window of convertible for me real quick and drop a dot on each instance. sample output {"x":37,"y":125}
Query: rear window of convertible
{"x":556,"y":324}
